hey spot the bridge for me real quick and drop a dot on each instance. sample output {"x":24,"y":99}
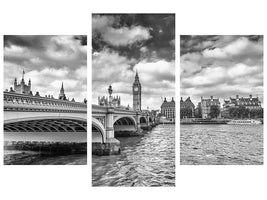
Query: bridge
{"x":29,"y":118}
{"x":109,"y":122}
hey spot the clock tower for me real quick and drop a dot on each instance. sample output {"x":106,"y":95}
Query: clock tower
{"x":136,"y":93}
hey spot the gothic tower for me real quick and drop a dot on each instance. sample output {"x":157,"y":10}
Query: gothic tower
{"x":137,"y":93}
{"x":62,"y":95}
{"x":22,"y":87}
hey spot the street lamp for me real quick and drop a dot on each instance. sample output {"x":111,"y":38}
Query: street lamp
{"x":110,"y":93}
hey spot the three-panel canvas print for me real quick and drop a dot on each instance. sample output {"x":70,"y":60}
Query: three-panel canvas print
{"x":135,"y":73}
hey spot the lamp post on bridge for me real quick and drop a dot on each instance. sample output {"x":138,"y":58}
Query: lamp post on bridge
{"x":110,"y":112}
{"x":110,"y":93}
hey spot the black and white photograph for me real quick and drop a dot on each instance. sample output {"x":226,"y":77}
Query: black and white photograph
{"x":45,"y":100}
{"x":221,"y":105}
{"x":123,"y":66}
{"x":133,"y":100}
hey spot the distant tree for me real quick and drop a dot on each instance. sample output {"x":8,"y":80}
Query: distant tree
{"x":256,"y":113}
{"x":233,"y":112}
{"x":239,"y":112}
{"x":243,"y":112}
{"x":198,"y":113}
{"x":186,"y":112}
{"x":214,"y":111}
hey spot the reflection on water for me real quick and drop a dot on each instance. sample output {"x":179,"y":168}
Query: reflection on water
{"x":144,"y":161}
{"x":15,"y":157}
{"x":221,"y":144}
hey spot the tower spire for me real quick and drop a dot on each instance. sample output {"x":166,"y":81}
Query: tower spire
{"x":62,"y":94}
{"x":136,"y":74}
{"x":23,"y":72}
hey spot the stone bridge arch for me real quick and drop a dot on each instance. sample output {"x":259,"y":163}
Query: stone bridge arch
{"x":46,"y":129}
{"x":98,"y":131}
{"x":124,"y":123}
{"x":143,"y":120}
{"x":125,"y":118}
{"x":14,"y":120}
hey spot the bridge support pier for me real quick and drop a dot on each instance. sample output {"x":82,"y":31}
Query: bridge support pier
{"x":110,"y":147}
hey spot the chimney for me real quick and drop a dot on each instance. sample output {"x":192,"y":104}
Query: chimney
{"x":172,"y":99}
{"x":211,"y":97}
{"x":237,"y":96}
{"x":250,"y":96}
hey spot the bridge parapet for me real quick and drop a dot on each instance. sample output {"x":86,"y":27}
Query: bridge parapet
{"x":15,"y":101}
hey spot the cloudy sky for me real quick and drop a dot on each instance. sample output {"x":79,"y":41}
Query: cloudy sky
{"x":221,"y":66}
{"x":47,"y":61}
{"x":123,"y":44}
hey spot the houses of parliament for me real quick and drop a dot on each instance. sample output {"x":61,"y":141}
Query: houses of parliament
{"x":23,"y":88}
{"x":167,"y":108}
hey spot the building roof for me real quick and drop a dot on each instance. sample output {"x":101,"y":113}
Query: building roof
{"x":168,"y":104}
{"x":186,"y":103}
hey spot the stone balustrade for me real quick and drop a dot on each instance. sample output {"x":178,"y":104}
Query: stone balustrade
{"x":15,"y":101}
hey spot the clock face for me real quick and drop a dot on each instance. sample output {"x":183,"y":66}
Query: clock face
{"x":135,"y":89}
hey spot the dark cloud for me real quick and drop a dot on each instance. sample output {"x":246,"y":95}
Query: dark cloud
{"x":161,"y":28}
{"x":124,"y":43}
{"x":29,"y":41}
{"x":82,"y":39}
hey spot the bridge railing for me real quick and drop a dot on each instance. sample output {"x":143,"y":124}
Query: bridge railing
{"x":117,"y":110}
{"x":14,"y":101}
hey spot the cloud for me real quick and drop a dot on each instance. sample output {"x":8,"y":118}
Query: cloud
{"x":227,"y":66}
{"x":126,"y":36}
{"x":124,"y":43}
{"x":239,"y":47}
{"x":111,"y":68}
{"x":122,"y":36}
{"x":47,"y":61}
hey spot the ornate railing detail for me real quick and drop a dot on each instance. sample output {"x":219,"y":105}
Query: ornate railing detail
{"x":15,"y":101}
{"x":102,"y":120}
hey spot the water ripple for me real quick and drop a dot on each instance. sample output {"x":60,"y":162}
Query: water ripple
{"x":144,"y":161}
{"x":221,"y":145}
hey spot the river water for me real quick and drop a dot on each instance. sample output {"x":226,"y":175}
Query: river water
{"x":221,"y":144}
{"x":22,"y":157}
{"x":144,"y":161}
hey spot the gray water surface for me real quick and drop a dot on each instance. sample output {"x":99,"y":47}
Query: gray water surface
{"x":144,"y":161}
{"x":221,"y":144}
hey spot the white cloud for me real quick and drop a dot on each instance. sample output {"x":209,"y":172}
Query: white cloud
{"x":81,"y":72}
{"x":122,"y":36}
{"x":236,"y":48}
{"x":111,"y":68}
{"x":63,"y":48}
{"x":110,"y":64}
{"x":155,"y":70}
{"x":190,"y":63}
{"x":125,"y":36}
{"x":99,"y":23}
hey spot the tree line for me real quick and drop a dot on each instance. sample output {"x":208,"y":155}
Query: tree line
{"x":240,"y":112}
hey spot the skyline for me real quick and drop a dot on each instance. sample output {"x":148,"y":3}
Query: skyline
{"x":48,"y":61}
{"x":123,"y":44}
{"x":221,"y":66}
